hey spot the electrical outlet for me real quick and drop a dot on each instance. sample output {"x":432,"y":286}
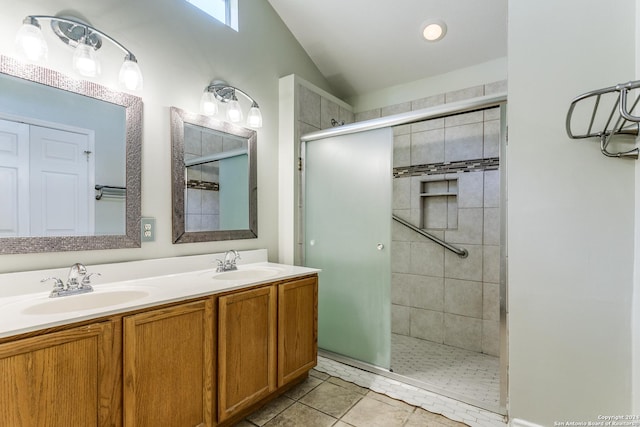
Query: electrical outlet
{"x":148,"y":229}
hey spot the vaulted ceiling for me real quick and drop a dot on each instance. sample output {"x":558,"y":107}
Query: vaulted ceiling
{"x":366,"y":45}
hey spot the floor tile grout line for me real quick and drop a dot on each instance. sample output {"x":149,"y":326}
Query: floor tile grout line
{"x":337,"y":385}
{"x":332,"y":416}
{"x":295,"y":400}
{"x":299,"y":400}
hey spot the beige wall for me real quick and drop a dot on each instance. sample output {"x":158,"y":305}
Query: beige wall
{"x":180,"y":50}
{"x":570,"y":216}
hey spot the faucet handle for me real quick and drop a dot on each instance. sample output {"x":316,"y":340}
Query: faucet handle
{"x":58,"y":286}
{"x":86,"y":280}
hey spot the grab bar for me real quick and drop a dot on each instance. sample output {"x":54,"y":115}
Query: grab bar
{"x":462,"y":253}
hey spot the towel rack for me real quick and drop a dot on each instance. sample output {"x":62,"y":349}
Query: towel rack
{"x":609,"y":116}
{"x":110,"y":191}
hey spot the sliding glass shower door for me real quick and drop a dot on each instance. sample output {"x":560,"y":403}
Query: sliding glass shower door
{"x":347,"y":209}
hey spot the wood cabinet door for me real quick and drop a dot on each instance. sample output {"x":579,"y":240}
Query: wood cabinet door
{"x":246,"y":349}
{"x":66,"y":378}
{"x":297,"y":328}
{"x":168,"y":366}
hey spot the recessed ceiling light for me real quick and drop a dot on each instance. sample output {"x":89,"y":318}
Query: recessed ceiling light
{"x":434,"y":30}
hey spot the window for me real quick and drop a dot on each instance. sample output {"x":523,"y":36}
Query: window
{"x":225,"y":11}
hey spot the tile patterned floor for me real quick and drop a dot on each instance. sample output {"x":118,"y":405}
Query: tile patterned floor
{"x":475,"y":376}
{"x":324,"y":400}
{"x":432,"y":402}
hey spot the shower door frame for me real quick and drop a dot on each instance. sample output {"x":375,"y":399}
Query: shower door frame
{"x":441,"y":111}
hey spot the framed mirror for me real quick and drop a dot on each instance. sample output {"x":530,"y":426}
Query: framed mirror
{"x":70,"y":159}
{"x":214,"y":178}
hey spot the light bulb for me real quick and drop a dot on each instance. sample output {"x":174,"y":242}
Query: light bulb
{"x":130,"y":76}
{"x":208,"y":104}
{"x":434,"y":31}
{"x":234,"y":112}
{"x":85,"y":61}
{"x":30,"y":42}
{"x":254,"y":118}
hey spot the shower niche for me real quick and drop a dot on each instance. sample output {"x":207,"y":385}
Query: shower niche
{"x":439,"y":204}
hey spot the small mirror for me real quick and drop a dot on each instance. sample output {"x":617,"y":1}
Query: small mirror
{"x":214,"y":179}
{"x":69,"y":162}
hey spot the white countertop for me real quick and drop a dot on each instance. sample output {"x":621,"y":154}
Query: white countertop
{"x":128,"y":286}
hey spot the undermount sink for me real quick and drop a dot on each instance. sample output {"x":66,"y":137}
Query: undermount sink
{"x":255,"y":273}
{"x":89,"y":301}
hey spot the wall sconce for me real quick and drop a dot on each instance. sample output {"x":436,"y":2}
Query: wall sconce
{"x":85,"y":39}
{"x":221,"y":91}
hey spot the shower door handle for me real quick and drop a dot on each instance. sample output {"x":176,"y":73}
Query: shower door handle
{"x":379,"y":246}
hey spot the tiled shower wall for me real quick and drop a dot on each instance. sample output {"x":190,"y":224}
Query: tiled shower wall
{"x":202,"y":201}
{"x":436,"y":295}
{"x":314,"y":112}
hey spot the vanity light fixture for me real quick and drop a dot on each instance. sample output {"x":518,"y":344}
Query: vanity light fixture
{"x":434,"y":30}
{"x":222,"y":92}
{"x":85,"y":40}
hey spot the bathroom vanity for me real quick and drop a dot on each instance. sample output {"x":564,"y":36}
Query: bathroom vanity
{"x":178,"y":349}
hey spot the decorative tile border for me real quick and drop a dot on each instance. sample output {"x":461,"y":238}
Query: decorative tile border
{"x":450,"y":408}
{"x":203,"y":185}
{"x":488,"y":164}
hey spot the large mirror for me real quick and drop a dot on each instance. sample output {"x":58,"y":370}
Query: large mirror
{"x":69,"y":162}
{"x":214,"y":179}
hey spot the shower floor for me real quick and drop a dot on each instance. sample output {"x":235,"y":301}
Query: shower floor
{"x":471,"y":376}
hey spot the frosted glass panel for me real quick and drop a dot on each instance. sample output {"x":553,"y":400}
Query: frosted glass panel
{"x":348,"y":235}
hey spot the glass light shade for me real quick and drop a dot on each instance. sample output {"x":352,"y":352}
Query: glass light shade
{"x":85,"y":60}
{"x":208,"y":104}
{"x":254,"y":118}
{"x":130,"y":76}
{"x":31,"y":43}
{"x":234,"y":112}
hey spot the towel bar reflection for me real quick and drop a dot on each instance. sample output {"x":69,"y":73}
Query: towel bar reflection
{"x":110,"y":191}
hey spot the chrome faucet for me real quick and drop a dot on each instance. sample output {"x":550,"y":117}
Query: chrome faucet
{"x":78,"y":282}
{"x":76,"y":271}
{"x":228,"y":263}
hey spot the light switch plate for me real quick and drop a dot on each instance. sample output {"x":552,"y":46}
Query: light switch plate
{"x":148,"y":232}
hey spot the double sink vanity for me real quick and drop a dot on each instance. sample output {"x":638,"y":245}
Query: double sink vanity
{"x":157,"y":342}
{"x":161,"y":342}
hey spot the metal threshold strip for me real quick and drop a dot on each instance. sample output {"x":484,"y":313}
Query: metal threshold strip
{"x":462,"y":253}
